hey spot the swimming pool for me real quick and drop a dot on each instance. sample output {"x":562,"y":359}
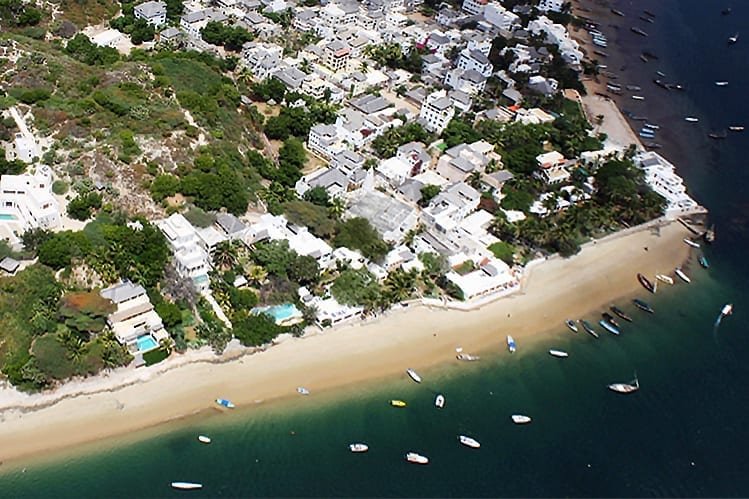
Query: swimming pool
{"x":7,"y":216}
{"x":280,"y":312}
{"x":146,"y":343}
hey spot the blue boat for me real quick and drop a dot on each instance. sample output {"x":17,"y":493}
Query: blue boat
{"x":225,"y":403}
{"x":703,"y":261}
{"x":511,"y":346}
{"x":643,"y":306}
{"x":609,"y":327}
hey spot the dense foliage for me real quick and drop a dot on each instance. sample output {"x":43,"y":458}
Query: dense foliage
{"x":230,"y":37}
{"x":386,"y":145}
{"x":357,"y":233}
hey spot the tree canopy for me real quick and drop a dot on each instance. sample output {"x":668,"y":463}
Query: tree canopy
{"x":357,"y":233}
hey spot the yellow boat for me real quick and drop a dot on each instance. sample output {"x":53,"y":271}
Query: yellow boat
{"x":397,"y":403}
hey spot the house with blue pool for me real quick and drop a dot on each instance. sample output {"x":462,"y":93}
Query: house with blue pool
{"x":135,"y":323}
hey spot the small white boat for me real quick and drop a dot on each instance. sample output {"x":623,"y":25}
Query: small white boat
{"x":520,"y":419}
{"x":414,"y":375}
{"x":511,"y":344}
{"x":467,"y":357}
{"x":204,"y":439}
{"x":727,"y":309}
{"x":638,"y":97}
{"x":358,"y":447}
{"x":225,"y":403}
{"x":721,"y":83}
{"x":630,"y":387}
{"x":682,"y":275}
{"x":733,"y":39}
{"x":469,"y":442}
{"x":664,"y":278}
{"x":302,"y":390}
{"x":186,"y":485}
{"x":571,"y":324}
{"x":558,"y":353}
{"x":413,"y":457}
{"x":736,"y":128}
{"x":691,"y":119}
{"x":439,"y":401}
{"x":691,"y":243}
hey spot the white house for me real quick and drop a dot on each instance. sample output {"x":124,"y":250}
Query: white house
{"x":459,"y":162}
{"x":551,"y":5}
{"x":661,"y":176}
{"x":436,"y":111}
{"x":552,"y":168}
{"x":466,"y":80}
{"x":108,"y":38}
{"x":475,"y":7}
{"x":450,"y":207}
{"x":27,"y":202}
{"x":192,"y":258}
{"x":558,"y":35}
{"x":493,"y":278}
{"x":499,"y":17}
{"x":475,"y":60}
{"x":152,"y":12}
{"x":135,"y":323}
{"x":323,"y":140}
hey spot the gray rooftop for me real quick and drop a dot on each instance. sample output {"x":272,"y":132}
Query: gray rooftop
{"x":442,"y":103}
{"x":473,"y":76}
{"x":383,"y":212}
{"x":291,"y":77}
{"x":150,"y":9}
{"x":9,"y":265}
{"x":370,"y":104}
{"x":124,"y":291}
{"x":229,"y":223}
{"x":479,"y":57}
{"x":411,"y":190}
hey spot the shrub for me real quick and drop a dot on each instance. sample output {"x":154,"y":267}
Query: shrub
{"x":59,"y":187}
{"x":154,"y":356}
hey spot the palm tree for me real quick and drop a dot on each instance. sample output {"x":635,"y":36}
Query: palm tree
{"x":166,"y":345}
{"x":256,"y":274}
{"x":337,"y":207}
{"x":225,"y":255}
{"x":399,"y":285}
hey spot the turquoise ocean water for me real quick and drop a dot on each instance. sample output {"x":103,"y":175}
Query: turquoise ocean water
{"x":683,"y":434}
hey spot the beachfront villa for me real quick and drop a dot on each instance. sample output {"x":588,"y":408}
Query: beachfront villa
{"x":135,"y":323}
{"x":552,"y":168}
{"x":192,"y":258}
{"x":661,"y":176}
{"x":329,"y":311}
{"x":493,"y":278}
{"x":27,"y":202}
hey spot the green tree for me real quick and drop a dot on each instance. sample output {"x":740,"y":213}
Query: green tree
{"x":224,"y":255}
{"x":82,"y":206}
{"x":317,"y":195}
{"x":304,"y":270}
{"x":356,"y":287}
{"x":357,"y":233}
{"x":504,"y":251}
{"x":310,"y":215}
{"x":428,"y":192}
{"x":255,"y":330}
{"x":459,"y":131}
{"x":164,"y":186}
{"x":291,"y":159}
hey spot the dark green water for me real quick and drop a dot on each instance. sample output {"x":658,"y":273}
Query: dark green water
{"x":683,"y":434}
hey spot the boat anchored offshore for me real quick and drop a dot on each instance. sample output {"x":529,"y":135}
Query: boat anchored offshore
{"x":721,"y":83}
{"x":610,"y":319}
{"x":397,"y":403}
{"x":704,"y":263}
{"x":589,"y":328}
{"x":520,"y":419}
{"x":646,"y":283}
{"x":558,"y":353}
{"x":469,"y":442}
{"x":726,"y":310}
{"x":682,"y":275}
{"x":643,"y":306}
{"x":609,"y":327}
{"x":225,"y":403}
{"x":413,"y":457}
{"x":359,"y":447}
{"x":630,"y":387}
{"x":571,"y":325}
{"x":691,"y":119}
{"x":439,"y":401}
{"x":733,"y":39}
{"x":618,"y":311}
{"x":187,"y":485}
{"x":511,"y":344}
{"x":413,"y":375}
{"x":467,"y":357}
{"x":204,"y":439}
{"x":664,"y":278}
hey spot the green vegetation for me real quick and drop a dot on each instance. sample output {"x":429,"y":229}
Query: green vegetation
{"x":428,"y":192}
{"x":138,"y":29}
{"x":16,"y":13}
{"x":391,"y":55}
{"x":460,"y":130}
{"x":218,"y":179}
{"x":14,"y":167}
{"x":230,"y":37}
{"x":60,"y":187}
{"x":310,"y":215}
{"x":504,"y":251}
{"x":357,"y":233}
{"x":82,"y":49}
{"x":270,"y":88}
{"x":297,"y":121}
{"x":256,"y":330}
{"x":356,"y":287}
{"x":82,"y":206}
{"x":386,"y":145}
{"x":155,"y":356}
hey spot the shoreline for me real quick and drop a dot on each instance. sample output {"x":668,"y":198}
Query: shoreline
{"x":416,"y":336}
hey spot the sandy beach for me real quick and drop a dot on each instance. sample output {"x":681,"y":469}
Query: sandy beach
{"x":419,"y":337}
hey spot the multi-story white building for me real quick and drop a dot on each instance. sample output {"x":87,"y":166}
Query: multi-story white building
{"x":661,"y":176}
{"x":27,"y":202}
{"x":336,"y":55}
{"x":450,"y":207}
{"x":154,"y":13}
{"x":466,"y":80}
{"x":475,"y":7}
{"x":475,"y":60}
{"x":262,"y":59}
{"x":193,"y":22}
{"x":436,"y":111}
{"x":459,"y":162}
{"x":551,"y":5}
{"x":558,"y":35}
{"x":552,"y":168}
{"x":501,"y":18}
{"x":323,"y":140}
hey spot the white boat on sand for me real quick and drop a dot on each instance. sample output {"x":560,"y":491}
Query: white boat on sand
{"x":469,"y":442}
{"x":691,"y":243}
{"x":467,"y":357}
{"x":414,"y":375}
{"x":204,"y":439}
{"x":511,"y":344}
{"x":664,"y":278}
{"x":302,"y":390}
{"x":358,"y":447}
{"x":439,"y":401}
{"x":520,"y":419}
{"x":413,"y":457}
{"x":558,"y":353}
{"x":682,"y":275}
{"x":186,"y":485}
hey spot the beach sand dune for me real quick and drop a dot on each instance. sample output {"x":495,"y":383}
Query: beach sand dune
{"x":416,"y":337}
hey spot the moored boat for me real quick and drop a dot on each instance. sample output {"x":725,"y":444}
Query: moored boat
{"x":413,"y":375}
{"x":709,"y":235}
{"x":520,"y":419}
{"x":204,"y":439}
{"x":646,"y":283}
{"x":571,"y":325}
{"x":302,"y":390}
{"x":511,"y":344}
{"x":733,"y":39}
{"x":617,"y":12}
{"x":664,"y":278}
{"x":618,"y":311}
{"x":637,"y":30}
{"x":397,"y":403}
{"x":469,"y":442}
{"x":589,"y":328}
{"x":721,"y":83}
{"x":638,"y":97}
{"x":610,"y":319}
{"x":718,"y":135}
{"x":726,"y":310}
{"x":691,"y":119}
{"x":413,"y":457}
{"x":643,"y":306}
{"x":439,"y":401}
{"x":633,"y":88}
{"x":187,"y":485}
{"x":630,"y":387}
{"x":609,"y":327}
{"x":680,"y":273}
{"x":736,"y":128}
{"x":358,"y":447}
{"x":225,"y":403}
{"x":704,"y":263}
{"x":467,"y":357}
{"x":558,"y":353}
